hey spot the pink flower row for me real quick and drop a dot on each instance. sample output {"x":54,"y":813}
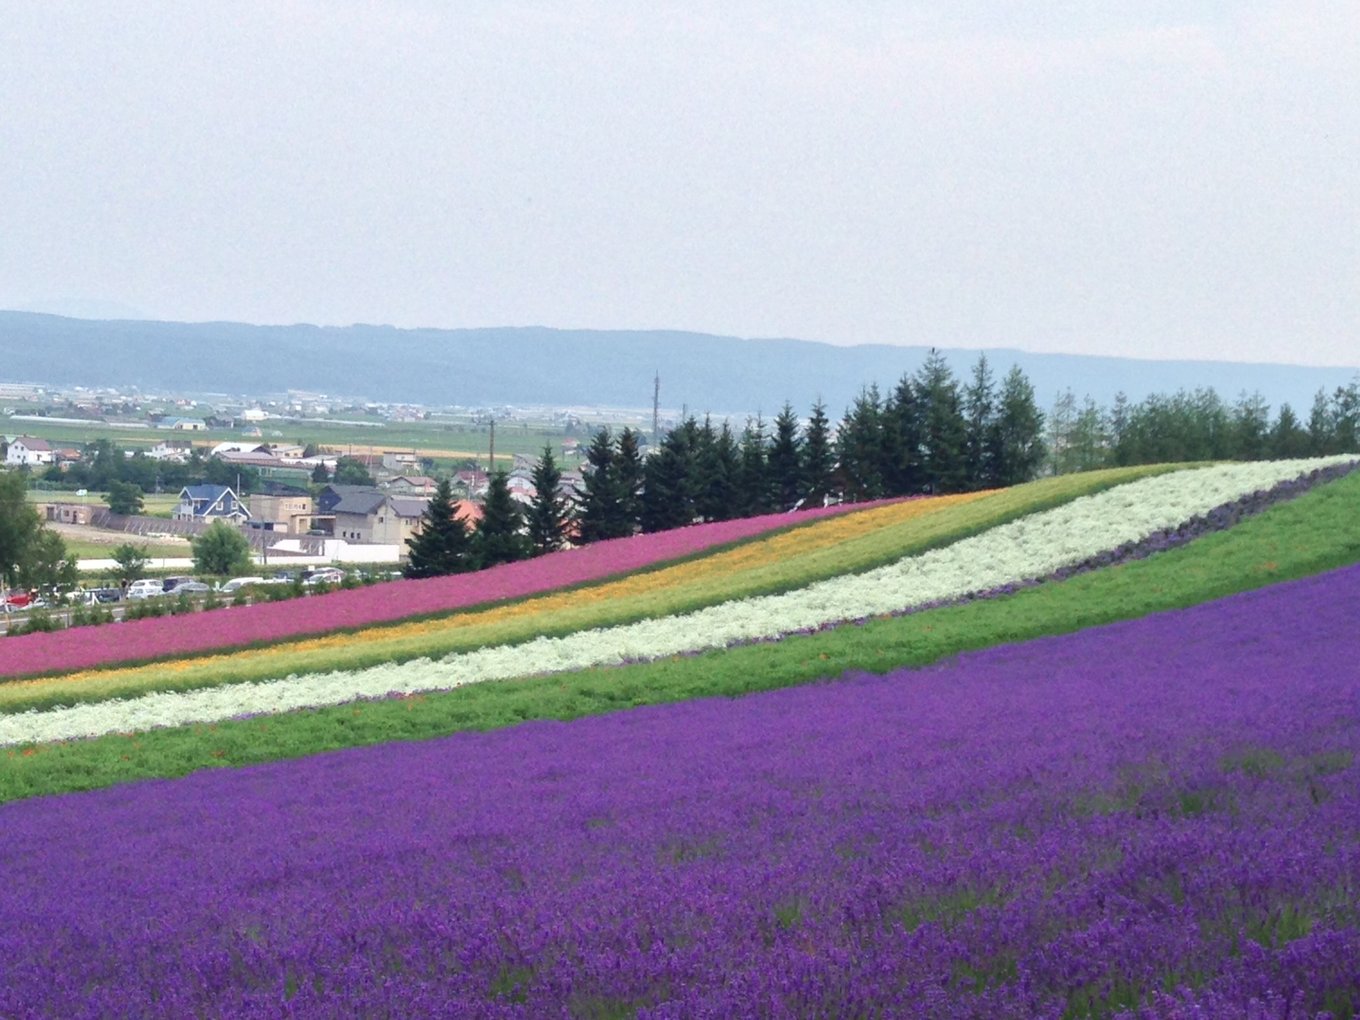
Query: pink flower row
{"x":169,"y":636}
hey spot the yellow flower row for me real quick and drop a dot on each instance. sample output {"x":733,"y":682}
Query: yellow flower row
{"x":731,"y":568}
{"x":826,"y":548}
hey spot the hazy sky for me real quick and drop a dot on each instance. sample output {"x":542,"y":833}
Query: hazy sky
{"x":1168,"y":179}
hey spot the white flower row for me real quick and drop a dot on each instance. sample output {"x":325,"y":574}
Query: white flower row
{"x":1029,"y":548}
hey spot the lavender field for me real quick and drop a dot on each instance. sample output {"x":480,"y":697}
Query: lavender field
{"x":1159,"y":818}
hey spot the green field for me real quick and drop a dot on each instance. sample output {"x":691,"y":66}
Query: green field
{"x":450,"y":439}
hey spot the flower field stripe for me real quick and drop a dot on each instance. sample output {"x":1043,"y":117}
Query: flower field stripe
{"x":1032,"y":547}
{"x":263,"y":623}
{"x":1317,"y":532}
{"x":779,"y":563}
{"x":1153,"y":819}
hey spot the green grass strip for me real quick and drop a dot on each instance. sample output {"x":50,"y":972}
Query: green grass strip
{"x":1318,"y":531}
{"x":650,"y":594}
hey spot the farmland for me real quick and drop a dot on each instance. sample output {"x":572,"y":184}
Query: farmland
{"x":1081,"y":748}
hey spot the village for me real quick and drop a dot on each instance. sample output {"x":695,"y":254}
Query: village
{"x":342,"y":496}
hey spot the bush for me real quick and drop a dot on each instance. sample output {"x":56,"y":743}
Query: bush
{"x":38,"y":620}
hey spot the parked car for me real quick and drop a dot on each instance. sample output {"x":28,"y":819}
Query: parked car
{"x":323,"y":575}
{"x":145,"y":588}
{"x":190,"y":587}
{"x":169,"y":584}
{"x":94,"y":596}
{"x":237,"y":583}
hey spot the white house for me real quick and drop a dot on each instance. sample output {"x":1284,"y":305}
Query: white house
{"x":26,"y":451}
{"x":171,"y":449}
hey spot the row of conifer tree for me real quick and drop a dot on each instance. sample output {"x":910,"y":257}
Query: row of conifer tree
{"x":930,"y":434}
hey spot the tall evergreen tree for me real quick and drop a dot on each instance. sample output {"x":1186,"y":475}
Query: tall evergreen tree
{"x":786,"y":460}
{"x":1346,"y":418}
{"x":944,"y":431}
{"x":754,"y":492}
{"x":1020,"y":425}
{"x":442,"y":546}
{"x":901,"y":467}
{"x":818,"y":463}
{"x":499,"y":537}
{"x":550,"y":511}
{"x":628,"y":475}
{"x":1321,"y":437}
{"x":859,"y":447}
{"x":600,"y":511}
{"x":980,"y":443}
{"x":1250,"y":427}
{"x":1288,"y":438}
{"x":716,"y":466}
{"x":667,"y":501}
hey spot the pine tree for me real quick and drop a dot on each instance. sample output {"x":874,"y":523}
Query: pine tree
{"x":1020,"y":425}
{"x":1287,"y":437}
{"x":628,"y":475}
{"x":944,"y":431}
{"x":716,"y":469}
{"x":500,"y":537}
{"x":901,"y":467}
{"x":817,"y":464}
{"x":442,"y":545}
{"x":550,"y":510}
{"x":980,"y":414}
{"x":859,"y":447}
{"x":599,"y":514}
{"x":1321,"y":436}
{"x":755,"y":495}
{"x":665,"y":493}
{"x":785,"y":460}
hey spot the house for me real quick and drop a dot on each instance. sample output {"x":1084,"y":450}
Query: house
{"x":26,"y":451}
{"x":210,"y":502}
{"x":370,"y":516}
{"x":184,"y":424}
{"x":361,"y":515}
{"x":410,"y":485}
{"x":405,"y":460}
{"x":171,"y":449}
{"x":70,"y":513}
{"x":282,"y":508}
{"x":470,"y":481}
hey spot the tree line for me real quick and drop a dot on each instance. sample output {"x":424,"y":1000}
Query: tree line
{"x":931,"y":433}
{"x":1198,"y":425}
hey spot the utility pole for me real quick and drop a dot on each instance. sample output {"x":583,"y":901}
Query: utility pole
{"x":491,"y":463}
{"x":656,"y":410}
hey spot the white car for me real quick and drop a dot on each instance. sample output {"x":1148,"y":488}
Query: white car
{"x":145,"y":588}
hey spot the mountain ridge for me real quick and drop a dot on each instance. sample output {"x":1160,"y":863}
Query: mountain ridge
{"x":557,"y":366}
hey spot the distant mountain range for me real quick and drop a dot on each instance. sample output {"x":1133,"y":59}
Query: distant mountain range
{"x":560,"y":367}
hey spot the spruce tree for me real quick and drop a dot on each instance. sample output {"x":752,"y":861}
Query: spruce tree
{"x":980,"y":445}
{"x":859,"y":447}
{"x":817,"y":463}
{"x":669,"y":479}
{"x":716,"y":466}
{"x":500,"y":537}
{"x":599,"y":513}
{"x":442,"y":545}
{"x":901,"y":467}
{"x":944,"y":431}
{"x":550,"y":510}
{"x":754,"y":493}
{"x":628,"y":477}
{"x":785,"y":460}
{"x":1020,"y":424}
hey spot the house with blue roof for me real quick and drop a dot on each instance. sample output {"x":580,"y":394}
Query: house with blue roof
{"x":209,"y":503}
